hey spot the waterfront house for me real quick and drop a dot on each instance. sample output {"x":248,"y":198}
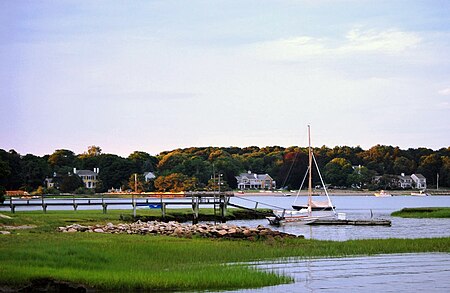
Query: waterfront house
{"x":420,"y":181}
{"x":251,"y":180}
{"x":404,"y":181}
{"x":149,"y":176}
{"x":49,"y":183}
{"x":89,"y":177}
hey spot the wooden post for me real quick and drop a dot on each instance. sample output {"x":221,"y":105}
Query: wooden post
{"x":223,"y":209}
{"x":105,"y":206}
{"x":135,"y":191}
{"x":195,"y":210}
{"x":163,"y":210}
{"x":13,"y":209}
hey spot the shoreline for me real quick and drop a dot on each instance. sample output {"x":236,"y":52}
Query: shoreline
{"x":339,"y":193}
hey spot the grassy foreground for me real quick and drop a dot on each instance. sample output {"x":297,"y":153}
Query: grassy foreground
{"x":118,"y":262}
{"x":423,"y":213}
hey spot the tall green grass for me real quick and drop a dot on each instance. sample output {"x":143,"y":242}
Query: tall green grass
{"x":132,"y":262}
{"x":119,"y":262}
{"x":431,"y":212}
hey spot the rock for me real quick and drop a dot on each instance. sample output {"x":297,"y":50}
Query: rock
{"x":181,"y":230}
{"x":232,"y":231}
{"x":4,"y":232}
{"x":222,"y":232}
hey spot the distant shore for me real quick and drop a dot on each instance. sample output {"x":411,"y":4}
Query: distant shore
{"x":334,"y":192}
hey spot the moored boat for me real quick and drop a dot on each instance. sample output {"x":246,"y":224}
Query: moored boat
{"x":382,"y":193}
{"x":420,"y":193}
{"x":304,"y":213}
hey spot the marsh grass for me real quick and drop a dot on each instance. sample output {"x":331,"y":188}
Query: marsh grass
{"x":120,"y":262}
{"x":431,"y":212}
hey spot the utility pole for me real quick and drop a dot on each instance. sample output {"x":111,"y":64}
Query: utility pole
{"x":135,"y":190}
{"x":437,"y":181}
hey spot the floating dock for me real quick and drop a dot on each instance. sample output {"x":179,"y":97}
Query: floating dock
{"x":368,"y":222}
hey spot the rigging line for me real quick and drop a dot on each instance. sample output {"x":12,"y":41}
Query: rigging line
{"x":290,"y":169}
{"x":323,"y":184}
{"x":301,"y":185}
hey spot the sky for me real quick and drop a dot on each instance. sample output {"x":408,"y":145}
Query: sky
{"x":159,"y":75}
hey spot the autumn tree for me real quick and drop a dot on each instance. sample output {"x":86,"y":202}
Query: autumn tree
{"x":141,"y":185}
{"x":175,"y":182}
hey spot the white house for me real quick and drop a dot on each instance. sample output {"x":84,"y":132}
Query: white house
{"x":149,"y":176}
{"x":90,"y":178}
{"x":404,"y":181}
{"x":419,"y":180}
{"x":251,"y":180}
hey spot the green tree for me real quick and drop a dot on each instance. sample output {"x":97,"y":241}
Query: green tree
{"x":115,"y":171}
{"x":404,"y":165}
{"x":69,"y":183}
{"x":34,"y":171}
{"x":2,"y":194}
{"x":361,"y":177}
{"x":429,"y":167}
{"x":11,"y":176}
{"x":61,"y":158}
{"x":337,"y":172}
{"x":444,"y":173}
{"x":143,"y":161}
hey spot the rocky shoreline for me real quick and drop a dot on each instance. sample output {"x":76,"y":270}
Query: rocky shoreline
{"x":182,"y":230}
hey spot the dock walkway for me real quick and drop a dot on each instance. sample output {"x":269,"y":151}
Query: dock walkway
{"x":367,"y":222}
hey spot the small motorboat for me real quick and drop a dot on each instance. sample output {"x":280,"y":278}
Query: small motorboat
{"x":382,"y":193}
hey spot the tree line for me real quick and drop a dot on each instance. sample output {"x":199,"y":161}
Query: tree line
{"x":193,"y":168}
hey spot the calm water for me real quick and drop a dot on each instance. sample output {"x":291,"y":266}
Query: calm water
{"x":428,"y":272}
{"x":361,"y":207}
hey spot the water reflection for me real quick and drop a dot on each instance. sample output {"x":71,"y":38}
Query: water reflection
{"x":428,"y":272}
{"x":363,"y":207}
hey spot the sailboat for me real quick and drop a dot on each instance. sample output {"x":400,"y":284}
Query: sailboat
{"x":304,"y":213}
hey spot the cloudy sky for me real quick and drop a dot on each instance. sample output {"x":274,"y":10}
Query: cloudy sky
{"x":159,"y":75}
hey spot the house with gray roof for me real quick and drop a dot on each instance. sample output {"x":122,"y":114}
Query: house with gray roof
{"x":149,"y":176}
{"x":404,"y":181}
{"x":251,"y":180}
{"x":89,"y":177}
{"x":419,"y":181}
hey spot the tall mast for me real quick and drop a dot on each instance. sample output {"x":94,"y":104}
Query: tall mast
{"x":310,"y":171}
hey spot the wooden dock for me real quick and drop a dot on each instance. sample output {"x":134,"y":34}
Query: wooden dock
{"x":368,"y":222}
{"x":218,"y":200}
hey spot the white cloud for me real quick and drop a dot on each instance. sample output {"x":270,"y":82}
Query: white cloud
{"x":445,"y":92}
{"x":292,"y":48}
{"x":390,"y":41}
